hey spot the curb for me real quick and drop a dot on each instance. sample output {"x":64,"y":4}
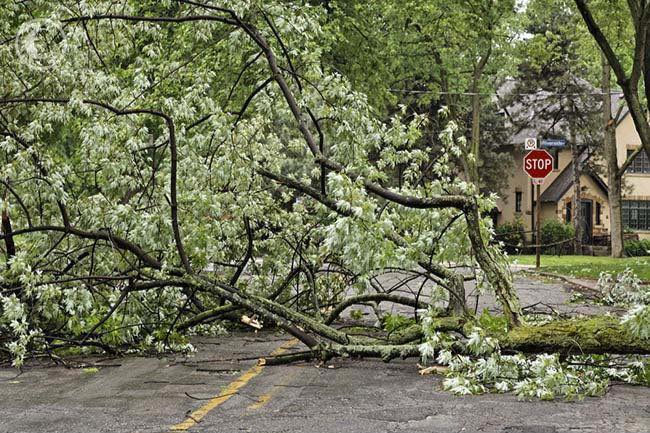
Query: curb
{"x":575,"y":283}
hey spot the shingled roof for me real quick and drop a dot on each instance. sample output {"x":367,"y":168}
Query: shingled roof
{"x":525,"y":112}
{"x":564,"y":181}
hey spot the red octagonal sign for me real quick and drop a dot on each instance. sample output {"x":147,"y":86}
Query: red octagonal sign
{"x":538,"y":163}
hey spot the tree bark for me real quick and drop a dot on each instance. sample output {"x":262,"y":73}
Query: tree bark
{"x":614,"y":178}
{"x":576,"y":205}
{"x":596,"y":335}
{"x":616,"y":216}
{"x":496,"y":270}
{"x":10,"y":246}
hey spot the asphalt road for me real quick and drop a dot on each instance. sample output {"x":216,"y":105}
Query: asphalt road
{"x":219,"y":390}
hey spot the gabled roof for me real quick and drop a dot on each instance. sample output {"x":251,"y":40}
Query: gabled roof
{"x":564,"y":181}
{"x":540,"y":114}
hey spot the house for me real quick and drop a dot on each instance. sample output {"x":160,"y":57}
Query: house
{"x":517,"y":201}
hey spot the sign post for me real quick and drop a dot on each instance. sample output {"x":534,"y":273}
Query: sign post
{"x":538,"y":228}
{"x":538,"y":164}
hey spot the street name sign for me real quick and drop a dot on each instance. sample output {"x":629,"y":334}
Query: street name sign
{"x":553,"y":142}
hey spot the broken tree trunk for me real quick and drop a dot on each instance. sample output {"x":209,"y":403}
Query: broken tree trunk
{"x":596,"y":335}
{"x":601,"y":334}
{"x":495,"y":269}
{"x":576,"y":336}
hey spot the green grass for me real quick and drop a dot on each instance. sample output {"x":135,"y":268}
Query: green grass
{"x":588,"y":266}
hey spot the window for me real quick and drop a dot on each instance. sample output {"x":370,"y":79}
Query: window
{"x":518,"y":197}
{"x":640,"y":164}
{"x":598,"y":214}
{"x":567,"y":217}
{"x":636,"y":214}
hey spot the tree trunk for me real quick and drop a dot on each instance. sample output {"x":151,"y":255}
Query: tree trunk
{"x":599,"y":334}
{"x":475,"y":138}
{"x":496,"y":270}
{"x":10,"y":247}
{"x":616,"y":216}
{"x":614,"y":180}
{"x":576,"y":205}
{"x":457,"y":303}
{"x":596,"y":335}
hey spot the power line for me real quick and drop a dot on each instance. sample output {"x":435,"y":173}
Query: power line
{"x":408,"y":91}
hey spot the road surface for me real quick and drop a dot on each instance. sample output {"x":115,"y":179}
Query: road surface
{"x":220,"y":389}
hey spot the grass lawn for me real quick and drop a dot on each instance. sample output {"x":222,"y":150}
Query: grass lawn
{"x":588,"y":266}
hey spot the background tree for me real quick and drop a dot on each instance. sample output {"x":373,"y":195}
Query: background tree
{"x":550,"y":96}
{"x":613,"y":17}
{"x":628,"y":78}
{"x":429,"y":55}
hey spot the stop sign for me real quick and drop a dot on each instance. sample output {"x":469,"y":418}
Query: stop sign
{"x":538,"y":163}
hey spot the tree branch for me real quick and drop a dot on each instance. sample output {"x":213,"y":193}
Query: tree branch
{"x":373,"y":297}
{"x":173,"y":156}
{"x":116,"y":241}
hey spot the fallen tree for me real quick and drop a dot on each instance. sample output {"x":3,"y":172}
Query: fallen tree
{"x":140,"y":204}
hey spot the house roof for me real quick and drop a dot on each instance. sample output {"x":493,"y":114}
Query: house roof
{"x":541,"y":112}
{"x":525,"y":112}
{"x":564,"y":181}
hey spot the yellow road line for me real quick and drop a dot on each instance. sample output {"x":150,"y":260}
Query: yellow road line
{"x":261,"y":401}
{"x":196,"y":416}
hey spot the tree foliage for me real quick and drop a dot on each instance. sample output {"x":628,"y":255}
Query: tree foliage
{"x":155,"y":152}
{"x":168,"y":165}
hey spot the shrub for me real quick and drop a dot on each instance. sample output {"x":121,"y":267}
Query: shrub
{"x":554,"y":231}
{"x":512,"y":235}
{"x":637,"y":248}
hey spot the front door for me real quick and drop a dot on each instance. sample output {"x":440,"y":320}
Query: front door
{"x":587,"y":221}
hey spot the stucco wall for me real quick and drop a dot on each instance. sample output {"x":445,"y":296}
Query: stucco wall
{"x":636,"y":185}
{"x":519,"y":181}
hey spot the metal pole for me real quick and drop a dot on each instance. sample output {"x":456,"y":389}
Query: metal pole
{"x":538,"y":228}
